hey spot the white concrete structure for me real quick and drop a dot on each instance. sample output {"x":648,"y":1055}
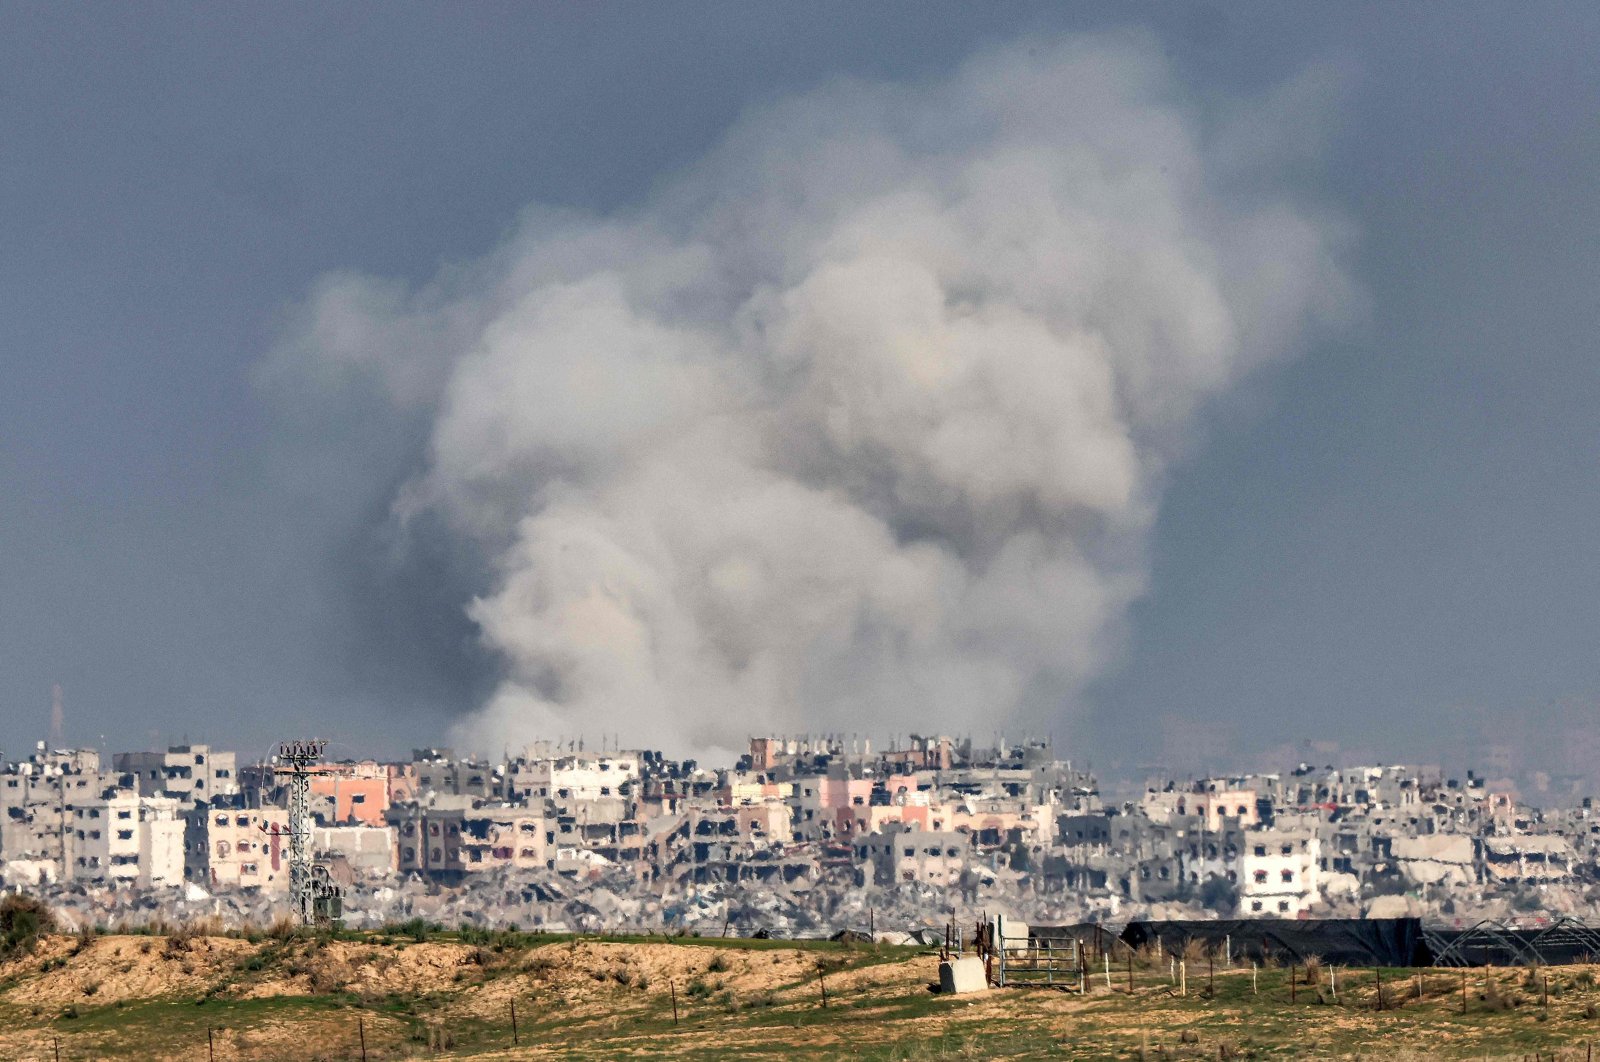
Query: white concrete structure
{"x":960,"y":976}
{"x":124,"y":838}
{"x":565,"y":779}
{"x":1436,"y":858}
{"x":369,"y":850}
{"x":1279,"y":873}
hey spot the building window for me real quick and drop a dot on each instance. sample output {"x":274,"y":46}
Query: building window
{"x":1283,"y":905}
{"x":1288,"y":875}
{"x":124,"y":835}
{"x":1261,"y":877}
{"x":1261,"y":849}
{"x":1288,"y":849}
{"x":1255,"y":905}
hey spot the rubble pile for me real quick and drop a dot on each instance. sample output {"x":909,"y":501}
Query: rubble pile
{"x":615,"y":902}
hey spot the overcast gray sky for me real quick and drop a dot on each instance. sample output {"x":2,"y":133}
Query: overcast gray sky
{"x":1384,"y":541}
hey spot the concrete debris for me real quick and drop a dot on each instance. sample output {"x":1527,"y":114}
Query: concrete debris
{"x":960,"y":976}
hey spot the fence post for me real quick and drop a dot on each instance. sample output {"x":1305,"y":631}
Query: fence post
{"x":999,"y":944}
{"x":1253,"y":988}
{"x":361,"y":1030}
{"x":211,"y":1048}
{"x":674,"y":986}
{"x":822,"y":984}
{"x":516,"y":1040}
{"x":1463,"y":990}
{"x":1377,"y":972}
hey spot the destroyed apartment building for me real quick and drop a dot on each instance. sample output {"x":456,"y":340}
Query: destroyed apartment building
{"x":802,"y":835}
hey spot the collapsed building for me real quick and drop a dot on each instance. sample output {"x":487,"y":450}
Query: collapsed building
{"x":801,"y":832}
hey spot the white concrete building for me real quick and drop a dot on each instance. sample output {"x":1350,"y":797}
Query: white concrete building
{"x":566,"y":779}
{"x":1279,"y":873}
{"x":124,"y":838}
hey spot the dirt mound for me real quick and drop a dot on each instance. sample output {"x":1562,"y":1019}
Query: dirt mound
{"x":102,"y":970}
{"x":313,"y":967}
{"x":601,"y":977}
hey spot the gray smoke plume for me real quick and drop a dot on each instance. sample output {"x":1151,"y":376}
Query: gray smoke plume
{"x":858,"y":424}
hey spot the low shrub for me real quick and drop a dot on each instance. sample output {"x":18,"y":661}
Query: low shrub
{"x":23,"y":920}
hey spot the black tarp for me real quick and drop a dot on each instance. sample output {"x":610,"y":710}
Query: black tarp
{"x":1343,"y":941}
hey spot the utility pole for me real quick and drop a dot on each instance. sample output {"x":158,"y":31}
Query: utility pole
{"x":312,"y":897}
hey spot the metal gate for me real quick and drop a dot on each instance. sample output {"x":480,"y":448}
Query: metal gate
{"x":1030,"y":960}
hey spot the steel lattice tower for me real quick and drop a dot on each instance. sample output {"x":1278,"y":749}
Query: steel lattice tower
{"x":298,"y":757}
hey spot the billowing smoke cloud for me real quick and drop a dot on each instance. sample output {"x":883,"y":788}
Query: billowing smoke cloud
{"x":859,"y":424}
